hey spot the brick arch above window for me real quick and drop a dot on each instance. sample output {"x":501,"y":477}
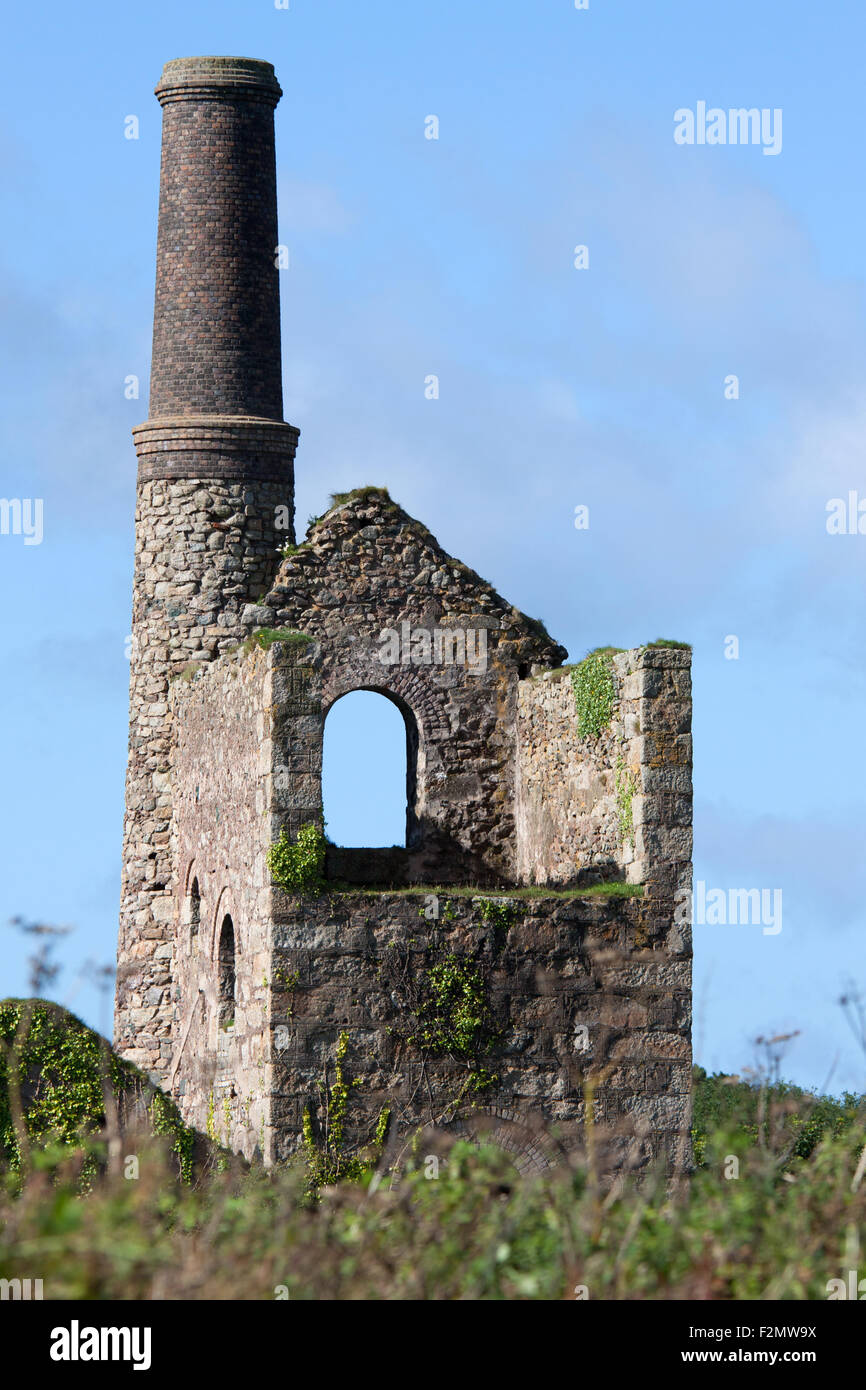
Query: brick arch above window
{"x":416,"y":697}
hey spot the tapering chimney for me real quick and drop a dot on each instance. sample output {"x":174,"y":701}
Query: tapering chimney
{"x":216,"y":323}
{"x":215,"y":472}
{"x":216,"y":327}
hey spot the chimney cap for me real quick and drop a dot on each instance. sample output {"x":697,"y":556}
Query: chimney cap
{"x":218,"y":79}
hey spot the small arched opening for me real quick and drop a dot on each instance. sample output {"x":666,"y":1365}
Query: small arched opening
{"x":227,"y":973}
{"x":194,"y":910}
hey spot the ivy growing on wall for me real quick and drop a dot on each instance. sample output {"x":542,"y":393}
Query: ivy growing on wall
{"x":54,"y":1074}
{"x":594,"y":693}
{"x":328,"y":1157}
{"x":498,"y":912}
{"x":299,"y":867}
{"x":444,"y":1009}
{"x":455,"y":1018}
{"x":626,"y":785}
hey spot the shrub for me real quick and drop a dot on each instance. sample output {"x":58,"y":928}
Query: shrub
{"x":56,"y":1078}
{"x":299,"y":867}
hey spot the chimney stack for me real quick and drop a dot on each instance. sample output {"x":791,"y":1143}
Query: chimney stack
{"x":216,"y":328}
{"x":216,"y":323}
{"x":215,"y":473}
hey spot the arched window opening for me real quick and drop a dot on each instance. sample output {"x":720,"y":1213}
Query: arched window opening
{"x":227,"y":977}
{"x":368,"y":771}
{"x":194,"y":909}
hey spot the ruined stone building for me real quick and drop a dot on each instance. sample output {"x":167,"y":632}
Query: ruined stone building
{"x":503,"y":994}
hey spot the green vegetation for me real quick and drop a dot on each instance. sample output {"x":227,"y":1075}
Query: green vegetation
{"x":267,"y":636}
{"x":363,"y":494}
{"x":537,"y":627}
{"x":287,"y":980}
{"x":595,"y":687}
{"x":300,"y":867}
{"x":329,"y":1159}
{"x":626,"y":784}
{"x":454,"y":1015}
{"x":781,"y":1116}
{"x":443,"y":1008}
{"x":594,"y":692}
{"x":61,"y":1083}
{"x":187,"y":672}
{"x":264,"y":638}
{"x":604,"y":651}
{"x":367,"y":493}
{"x":614,"y":888}
{"x":165,"y":1120}
{"x":498,"y":912}
{"x":467,"y":1227}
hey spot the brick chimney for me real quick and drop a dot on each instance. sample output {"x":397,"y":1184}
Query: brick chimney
{"x":215,"y":462}
{"x":216,"y":328}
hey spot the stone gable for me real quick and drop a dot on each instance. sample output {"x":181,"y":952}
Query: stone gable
{"x":367,"y":564}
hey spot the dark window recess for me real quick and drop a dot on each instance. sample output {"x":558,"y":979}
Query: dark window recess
{"x":227,"y":977}
{"x":194,"y":908}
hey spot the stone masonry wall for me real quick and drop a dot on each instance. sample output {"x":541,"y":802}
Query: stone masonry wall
{"x":221,"y":784}
{"x":587,"y":995}
{"x":573,"y":793}
{"x":590,"y":997}
{"x":368,"y":567}
{"x":202,"y":554}
{"x":580,"y":990}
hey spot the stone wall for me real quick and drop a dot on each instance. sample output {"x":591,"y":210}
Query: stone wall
{"x":574,"y":794}
{"x":590,"y":997}
{"x":368,"y":568}
{"x":220,"y":833}
{"x":587,"y":994}
{"x":202,"y":554}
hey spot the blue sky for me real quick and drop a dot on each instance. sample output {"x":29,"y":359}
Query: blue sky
{"x":557,"y":387}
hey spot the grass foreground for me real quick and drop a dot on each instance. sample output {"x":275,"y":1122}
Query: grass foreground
{"x":774,"y":1207}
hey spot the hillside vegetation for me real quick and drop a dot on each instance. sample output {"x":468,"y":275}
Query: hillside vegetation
{"x":104,"y":1194}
